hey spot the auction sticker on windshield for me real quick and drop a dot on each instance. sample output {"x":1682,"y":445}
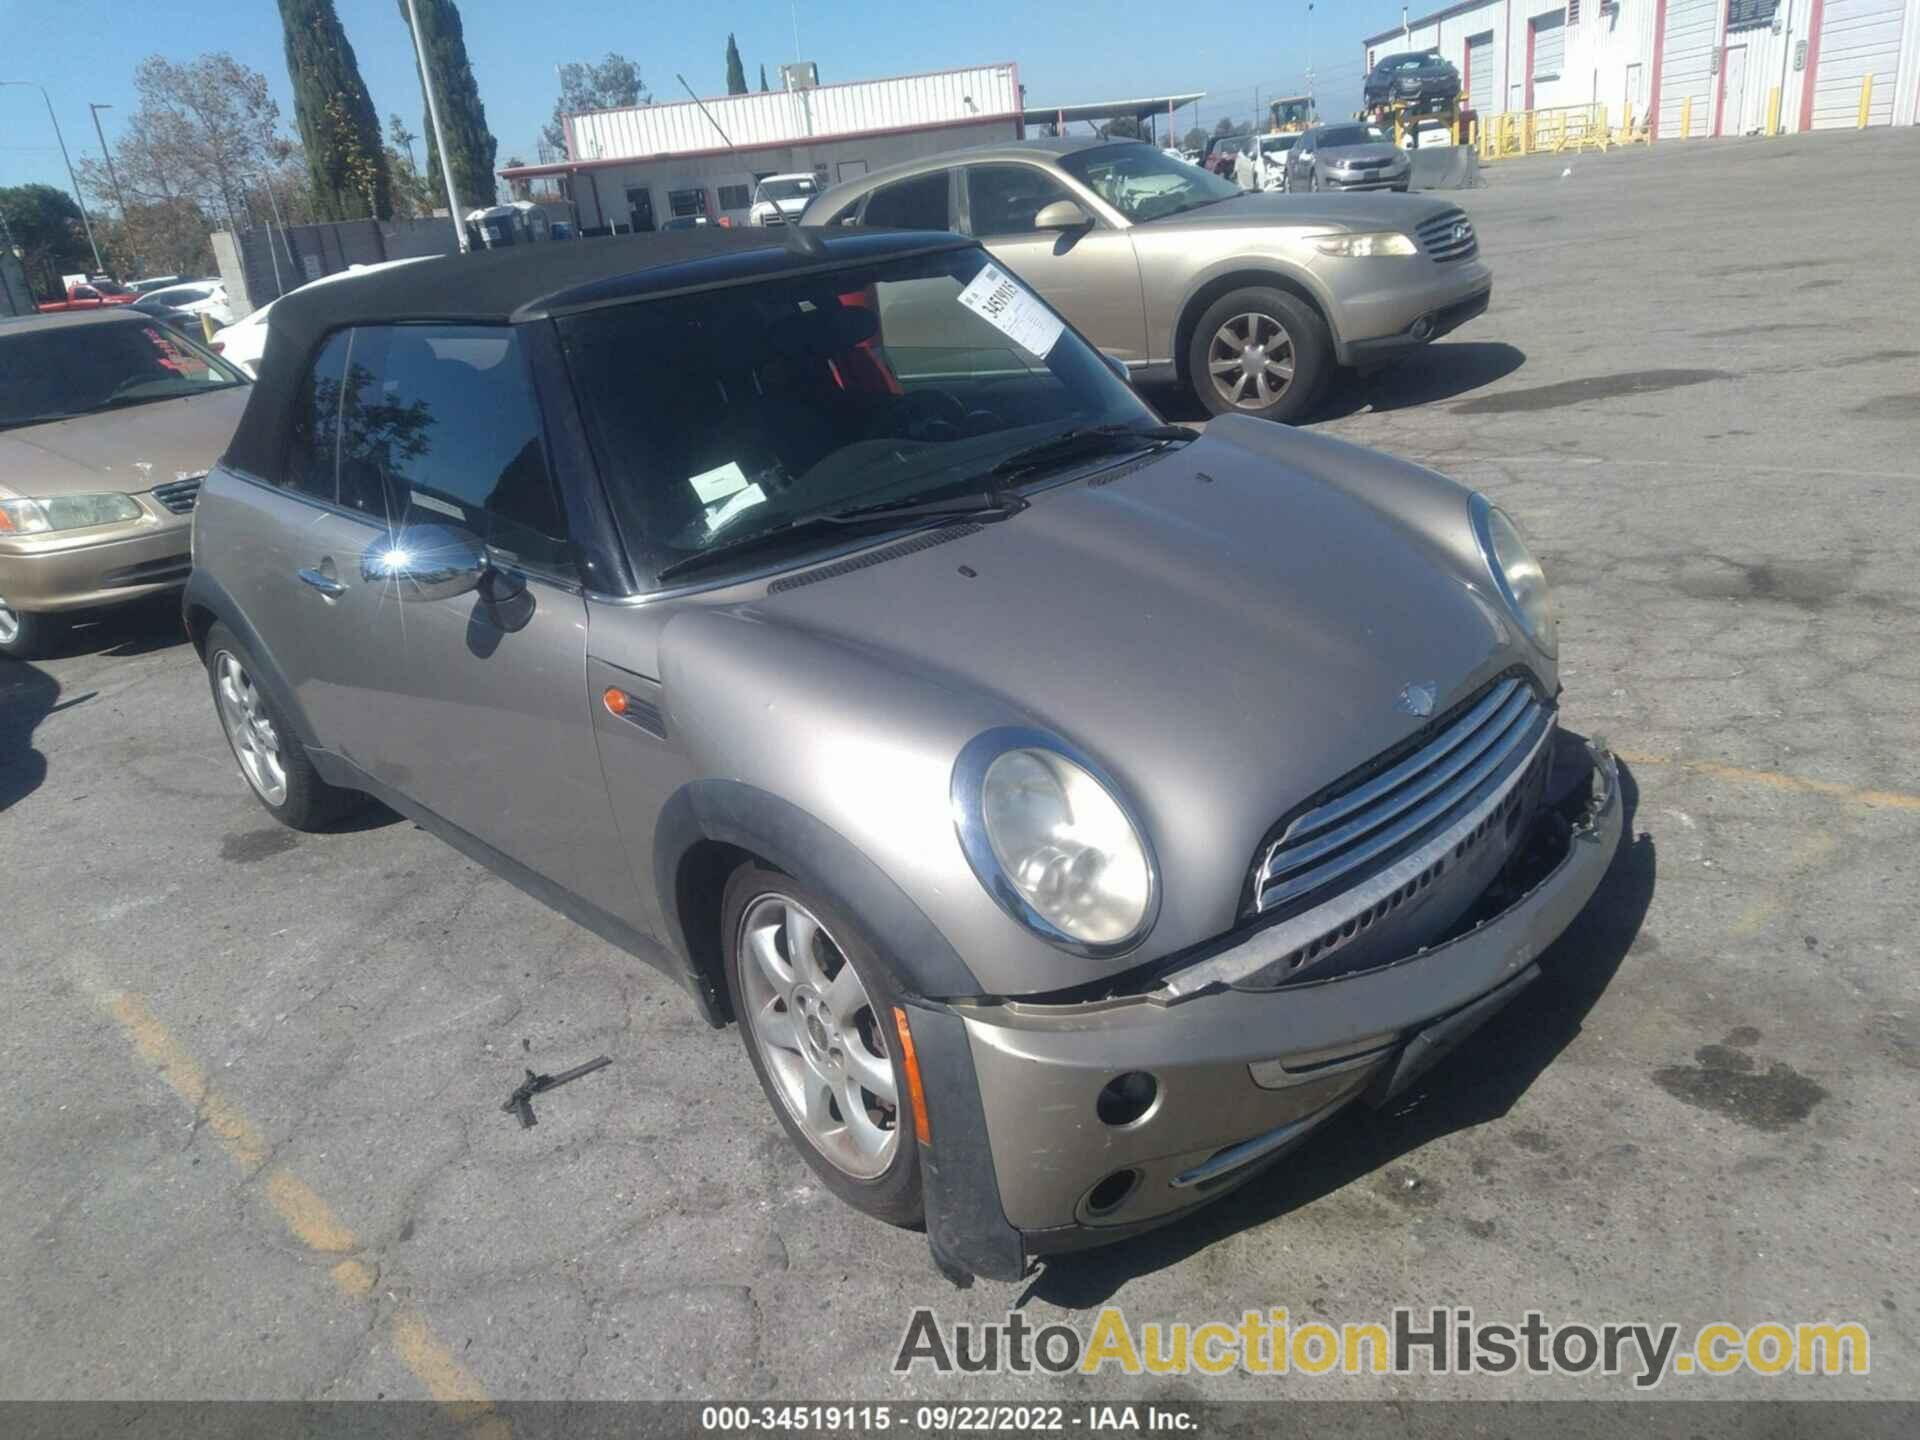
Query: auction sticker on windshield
{"x":1007,"y":305}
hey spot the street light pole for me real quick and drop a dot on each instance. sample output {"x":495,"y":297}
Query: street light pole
{"x":86,"y":225}
{"x":439,"y":136}
{"x":114,"y":176}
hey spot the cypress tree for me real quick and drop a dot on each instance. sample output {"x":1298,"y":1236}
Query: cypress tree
{"x":338,"y":129}
{"x":470,"y":145}
{"x":736,"y":72}
{"x":763,"y":78}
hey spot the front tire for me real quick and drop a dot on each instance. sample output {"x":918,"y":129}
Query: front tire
{"x":1259,"y":352}
{"x":815,"y":1007}
{"x":27,"y":636}
{"x":271,"y":758}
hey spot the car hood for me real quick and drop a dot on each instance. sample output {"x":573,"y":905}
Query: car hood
{"x":1367,"y":211}
{"x":1336,"y":154}
{"x":128,"y":450}
{"x":1228,"y":629}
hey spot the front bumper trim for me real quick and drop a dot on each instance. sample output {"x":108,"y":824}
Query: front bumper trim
{"x":1234,"y":1157}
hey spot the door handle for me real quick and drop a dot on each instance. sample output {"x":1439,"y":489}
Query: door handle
{"x":325,"y":584}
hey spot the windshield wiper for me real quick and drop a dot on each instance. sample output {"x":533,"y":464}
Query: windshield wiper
{"x":998,"y":504}
{"x":1085,"y":440}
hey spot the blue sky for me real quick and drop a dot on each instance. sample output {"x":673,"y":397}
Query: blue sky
{"x":84,"y":50}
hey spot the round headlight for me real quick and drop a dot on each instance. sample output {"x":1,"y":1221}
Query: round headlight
{"x":1517,"y":575}
{"x":1049,"y":837}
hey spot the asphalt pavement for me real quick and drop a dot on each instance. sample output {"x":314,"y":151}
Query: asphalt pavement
{"x":254,"y":1145}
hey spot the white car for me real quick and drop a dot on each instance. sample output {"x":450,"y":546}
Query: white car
{"x":1264,"y":166}
{"x":193,"y":297}
{"x":244,"y":341}
{"x":779,"y":199}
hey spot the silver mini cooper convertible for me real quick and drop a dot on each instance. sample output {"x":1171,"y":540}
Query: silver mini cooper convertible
{"x":1071,"y":812}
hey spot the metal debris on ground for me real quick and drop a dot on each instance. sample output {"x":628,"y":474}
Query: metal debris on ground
{"x":521,"y":1101}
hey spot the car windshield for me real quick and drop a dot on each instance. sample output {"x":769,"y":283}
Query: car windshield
{"x":1406,"y":62}
{"x":799,"y":188}
{"x":1335,"y":136}
{"x":1277,"y":144}
{"x":1143,"y":183}
{"x":55,"y":374}
{"x":732,"y":413}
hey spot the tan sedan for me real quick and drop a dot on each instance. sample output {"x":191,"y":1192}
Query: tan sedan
{"x":108,"y":423}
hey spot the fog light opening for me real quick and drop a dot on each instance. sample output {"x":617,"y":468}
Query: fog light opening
{"x":1126,"y":1099}
{"x":1111,"y":1193}
{"x":1423,"y":327}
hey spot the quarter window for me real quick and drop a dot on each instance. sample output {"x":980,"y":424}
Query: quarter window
{"x":916,"y":204}
{"x":1004,"y":199}
{"x":438,"y":425}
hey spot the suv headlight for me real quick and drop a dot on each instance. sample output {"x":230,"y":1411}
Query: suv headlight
{"x":1516,"y":574}
{"x":65,"y":512}
{"x":1355,"y":247}
{"x":1053,"y":842}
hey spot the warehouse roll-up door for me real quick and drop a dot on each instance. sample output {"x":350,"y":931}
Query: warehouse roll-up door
{"x":1857,"y":38}
{"x":1686,"y":66}
{"x":1480,"y":73}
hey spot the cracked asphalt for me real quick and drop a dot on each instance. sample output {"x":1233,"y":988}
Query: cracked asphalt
{"x":254,"y":1145}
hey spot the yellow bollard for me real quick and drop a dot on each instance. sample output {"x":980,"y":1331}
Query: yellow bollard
{"x":1686,"y":118}
{"x":206,"y":327}
{"x":1773,"y":111}
{"x":1866,"y":97}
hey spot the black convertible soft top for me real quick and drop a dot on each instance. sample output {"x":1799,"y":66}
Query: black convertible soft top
{"x":533,"y":282}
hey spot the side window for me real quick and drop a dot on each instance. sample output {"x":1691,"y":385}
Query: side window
{"x":848,"y":214}
{"x":438,"y":425}
{"x":916,"y":204}
{"x":312,"y":452}
{"x":1003,"y":199}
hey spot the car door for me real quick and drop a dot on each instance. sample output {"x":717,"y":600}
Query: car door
{"x":475,"y":705}
{"x":1300,"y":161}
{"x":1090,"y":275}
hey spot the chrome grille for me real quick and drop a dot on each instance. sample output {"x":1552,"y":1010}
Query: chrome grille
{"x":180,"y":495}
{"x":1438,"y":238}
{"x":1438,"y":785}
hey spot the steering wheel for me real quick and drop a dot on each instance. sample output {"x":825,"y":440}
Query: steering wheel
{"x":929,"y":415}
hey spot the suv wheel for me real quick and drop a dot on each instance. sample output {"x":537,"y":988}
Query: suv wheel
{"x":1259,"y":352}
{"x":815,"y":1007}
{"x":24,"y":636}
{"x":273,"y":761}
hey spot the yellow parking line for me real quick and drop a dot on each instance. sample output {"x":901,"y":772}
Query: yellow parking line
{"x":1772,"y":780}
{"x":309,"y":1219}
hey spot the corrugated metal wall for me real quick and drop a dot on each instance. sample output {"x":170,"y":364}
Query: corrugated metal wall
{"x":1857,"y":38}
{"x":783,"y":117}
{"x":1686,"y":66}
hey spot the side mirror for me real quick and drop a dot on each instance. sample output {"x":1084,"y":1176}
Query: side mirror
{"x":1119,"y":368}
{"x":426,"y":562}
{"x":1061,"y":215}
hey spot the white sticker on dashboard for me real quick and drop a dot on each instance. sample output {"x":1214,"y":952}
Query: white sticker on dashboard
{"x":1012,"y":309}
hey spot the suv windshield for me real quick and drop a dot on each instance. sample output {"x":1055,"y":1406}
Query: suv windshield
{"x":799,"y":188}
{"x":1334,"y":136}
{"x":73,"y":370}
{"x":739,"y":412}
{"x":1144,"y":183}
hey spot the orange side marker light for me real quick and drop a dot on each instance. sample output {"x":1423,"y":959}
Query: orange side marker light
{"x":910,"y":1062}
{"x":615,"y":701}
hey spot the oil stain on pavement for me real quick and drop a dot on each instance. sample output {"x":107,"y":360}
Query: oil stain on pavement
{"x":1592,"y":387}
{"x":257,"y":845}
{"x":1728,"y":1081}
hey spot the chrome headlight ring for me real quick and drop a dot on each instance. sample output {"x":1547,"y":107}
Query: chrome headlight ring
{"x":968,"y":797}
{"x":1533,"y":610}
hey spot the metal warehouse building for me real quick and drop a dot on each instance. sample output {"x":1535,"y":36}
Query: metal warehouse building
{"x":1653,"y":57}
{"x":638,"y":167}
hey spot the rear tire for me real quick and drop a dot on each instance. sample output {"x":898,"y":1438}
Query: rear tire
{"x":1241,"y":330}
{"x":822,"y":1044}
{"x":27,"y":636}
{"x":265,"y":746}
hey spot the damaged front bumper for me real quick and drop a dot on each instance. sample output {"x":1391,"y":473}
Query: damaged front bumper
{"x":1026,"y":1158}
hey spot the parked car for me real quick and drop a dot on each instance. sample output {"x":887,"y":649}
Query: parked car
{"x":108,"y":421}
{"x":1262,"y":165}
{"x":154,"y":282}
{"x":87,"y":293}
{"x":1423,"y":82}
{"x":183,"y":305}
{"x":1249,"y":299}
{"x":779,"y":199}
{"x":1348,"y":156}
{"x":1072,"y":813}
{"x":243,"y":343}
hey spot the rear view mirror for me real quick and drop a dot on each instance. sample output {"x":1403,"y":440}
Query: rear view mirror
{"x":426,"y":562}
{"x":1061,"y":215}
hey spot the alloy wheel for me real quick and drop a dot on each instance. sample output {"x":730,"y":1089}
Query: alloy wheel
{"x":255,"y":740}
{"x":823,"y":1044}
{"x":1251,"y":361}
